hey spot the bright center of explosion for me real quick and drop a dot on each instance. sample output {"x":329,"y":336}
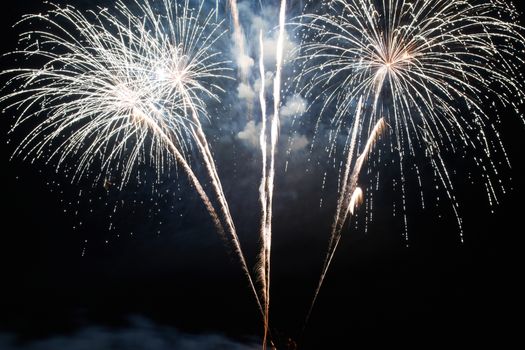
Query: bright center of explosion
{"x":394,"y":61}
{"x":125,"y":97}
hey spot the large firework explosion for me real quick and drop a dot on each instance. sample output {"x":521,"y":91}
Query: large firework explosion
{"x":116,"y":88}
{"x":439,"y":73}
{"x":124,"y":87}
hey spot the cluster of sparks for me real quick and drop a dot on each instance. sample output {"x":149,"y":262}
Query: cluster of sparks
{"x":427,"y":68}
{"x":127,"y":86}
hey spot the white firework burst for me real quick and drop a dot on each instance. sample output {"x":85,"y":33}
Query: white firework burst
{"x":438,"y":71}
{"x":122,"y":87}
{"x":116,"y":85}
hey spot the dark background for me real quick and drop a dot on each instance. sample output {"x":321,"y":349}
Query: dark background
{"x":158,"y":256}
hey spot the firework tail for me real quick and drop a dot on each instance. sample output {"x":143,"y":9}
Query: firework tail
{"x":209,"y":162}
{"x":263,"y":141}
{"x":211,"y":167}
{"x":352,"y":183}
{"x":349,"y":199}
{"x":340,"y":200}
{"x":268,"y":175}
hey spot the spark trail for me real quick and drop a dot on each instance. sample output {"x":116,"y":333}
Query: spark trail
{"x":268,"y":174}
{"x":263,"y":142}
{"x":350,"y":197}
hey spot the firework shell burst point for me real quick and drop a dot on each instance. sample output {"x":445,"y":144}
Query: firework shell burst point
{"x":114,"y":88}
{"x":123,"y":87}
{"x":440,"y":73}
{"x":117,"y":85}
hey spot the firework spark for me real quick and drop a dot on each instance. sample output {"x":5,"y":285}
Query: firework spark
{"x":125,"y":87}
{"x":350,"y":197}
{"x":268,"y":173}
{"x":438,"y":71}
{"x":263,"y":141}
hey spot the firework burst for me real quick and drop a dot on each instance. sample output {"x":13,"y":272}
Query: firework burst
{"x":439,"y":72}
{"x":435,"y":70}
{"x":105,"y":74}
{"x":124,"y":87}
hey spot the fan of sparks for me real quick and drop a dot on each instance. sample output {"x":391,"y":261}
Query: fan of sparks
{"x":119,"y":86}
{"x":438,"y":71}
{"x":115,"y":88}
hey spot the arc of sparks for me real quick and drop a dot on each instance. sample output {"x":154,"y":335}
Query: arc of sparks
{"x":440,"y":71}
{"x":130,"y":85}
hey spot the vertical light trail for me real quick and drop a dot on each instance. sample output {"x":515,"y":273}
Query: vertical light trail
{"x":274,"y":137}
{"x":343,"y":187}
{"x":350,"y":197}
{"x":263,"y":141}
{"x":211,"y":168}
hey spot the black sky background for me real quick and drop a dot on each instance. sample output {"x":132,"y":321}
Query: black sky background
{"x":175,"y":271}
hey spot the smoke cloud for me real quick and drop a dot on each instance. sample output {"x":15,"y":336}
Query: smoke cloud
{"x":295,"y":106}
{"x":141,"y":335}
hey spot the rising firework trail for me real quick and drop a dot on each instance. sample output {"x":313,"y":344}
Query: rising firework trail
{"x":439,"y":72}
{"x":124,"y":88}
{"x":268,"y":175}
{"x":263,"y":142}
{"x":350,"y":197}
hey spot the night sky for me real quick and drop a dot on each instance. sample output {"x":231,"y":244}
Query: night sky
{"x":142,"y":267}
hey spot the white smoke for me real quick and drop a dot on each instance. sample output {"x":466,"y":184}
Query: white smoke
{"x":246,"y":92}
{"x":250,"y":134}
{"x":142,"y":335}
{"x":295,"y":106}
{"x":255,"y":22}
{"x":298,"y":143}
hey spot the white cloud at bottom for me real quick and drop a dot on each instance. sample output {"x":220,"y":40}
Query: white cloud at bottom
{"x":142,"y":335}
